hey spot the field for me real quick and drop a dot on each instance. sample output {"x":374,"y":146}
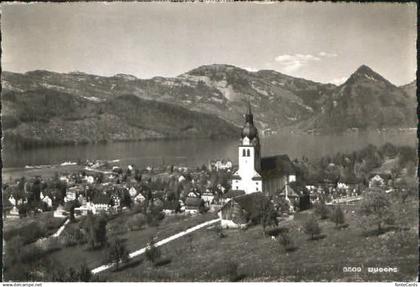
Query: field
{"x":249,"y":255}
{"x":207,"y":257}
{"x":75,"y":255}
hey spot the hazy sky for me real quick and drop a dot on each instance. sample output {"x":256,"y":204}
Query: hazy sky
{"x":324,"y":42}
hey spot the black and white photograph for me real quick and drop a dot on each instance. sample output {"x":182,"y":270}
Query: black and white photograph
{"x":209,"y":142}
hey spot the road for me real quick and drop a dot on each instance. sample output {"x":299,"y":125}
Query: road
{"x":159,"y":243}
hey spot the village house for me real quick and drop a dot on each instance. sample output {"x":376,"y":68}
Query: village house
{"x":84,"y":209}
{"x":13,"y":201}
{"x":48,"y":201}
{"x":231,"y":194}
{"x":7,"y":208}
{"x":132,"y":191}
{"x":72,"y":192}
{"x":64,"y":178}
{"x":220,"y":165}
{"x":60,"y":211}
{"x":169,"y":207}
{"x":101,"y":203}
{"x":193,"y":205}
{"x":377,"y":181}
{"x":277,"y":173}
{"x":89,"y":179}
{"x":208,"y":197}
{"x":240,"y":210}
{"x":139,"y":198}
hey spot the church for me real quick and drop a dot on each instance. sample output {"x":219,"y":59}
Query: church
{"x":256,"y":179}
{"x":270,"y":175}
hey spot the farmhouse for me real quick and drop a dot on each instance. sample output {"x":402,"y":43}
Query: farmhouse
{"x":241,"y":210}
{"x":193,"y":205}
{"x":101,"y":203}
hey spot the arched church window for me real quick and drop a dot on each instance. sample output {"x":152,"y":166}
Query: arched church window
{"x":243,"y":152}
{"x":247,"y":152}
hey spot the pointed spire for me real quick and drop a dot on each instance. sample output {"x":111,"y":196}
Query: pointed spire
{"x":249,"y":107}
{"x":248,"y":116}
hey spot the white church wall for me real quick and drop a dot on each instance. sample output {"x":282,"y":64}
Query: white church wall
{"x":247,"y":170}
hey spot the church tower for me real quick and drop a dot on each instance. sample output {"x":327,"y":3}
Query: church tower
{"x":247,"y":177}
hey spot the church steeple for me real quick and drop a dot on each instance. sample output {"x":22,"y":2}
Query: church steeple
{"x":249,"y":118}
{"x":249,"y":130}
{"x":247,"y":176}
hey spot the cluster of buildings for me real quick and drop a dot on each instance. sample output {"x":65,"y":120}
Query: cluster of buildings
{"x":251,"y":184}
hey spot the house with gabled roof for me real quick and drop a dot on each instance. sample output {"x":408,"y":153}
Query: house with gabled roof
{"x":193,"y":205}
{"x":101,"y":203}
{"x":241,"y":210}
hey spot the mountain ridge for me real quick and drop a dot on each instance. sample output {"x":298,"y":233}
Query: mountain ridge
{"x":365,"y":100}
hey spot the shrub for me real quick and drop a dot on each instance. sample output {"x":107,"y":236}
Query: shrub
{"x":337,"y":216}
{"x":322,"y":210}
{"x":117,"y":251}
{"x":95,"y":229}
{"x":231,"y":268}
{"x":286,"y":241}
{"x":311,"y":227}
{"x":219,"y":231}
{"x":152,"y":252}
{"x":376,"y":207}
{"x":52,"y":244}
{"x":73,"y":235}
{"x":162,"y":262}
{"x":30,"y":253}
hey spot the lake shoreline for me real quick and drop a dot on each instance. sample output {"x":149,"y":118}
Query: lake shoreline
{"x":196,"y":152}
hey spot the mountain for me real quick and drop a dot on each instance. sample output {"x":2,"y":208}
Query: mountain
{"x":278,"y":100}
{"x":366,"y":100}
{"x":410,"y":89}
{"x":48,"y":117}
{"x":209,"y":101}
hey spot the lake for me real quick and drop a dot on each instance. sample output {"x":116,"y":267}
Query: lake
{"x":199,"y":151}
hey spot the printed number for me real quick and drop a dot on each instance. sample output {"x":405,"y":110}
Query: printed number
{"x":352,"y":269}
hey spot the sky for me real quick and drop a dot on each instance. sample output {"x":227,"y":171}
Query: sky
{"x":324,"y":42}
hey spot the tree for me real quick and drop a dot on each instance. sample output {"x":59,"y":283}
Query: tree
{"x":268,"y":214}
{"x":95,"y":227}
{"x":35,"y":191}
{"x":85,"y":275}
{"x":337,"y":216}
{"x":152,"y":252}
{"x":286,"y":241}
{"x":376,"y":206}
{"x":100,"y":178}
{"x":126,"y":199}
{"x":73,"y":205}
{"x":117,"y":252}
{"x":312,"y":228}
{"x":322,"y":210}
